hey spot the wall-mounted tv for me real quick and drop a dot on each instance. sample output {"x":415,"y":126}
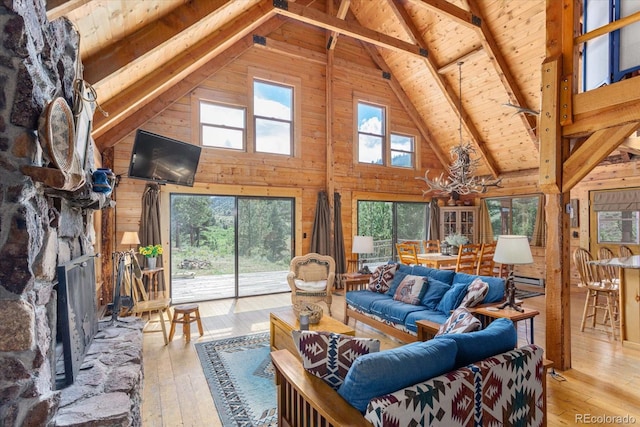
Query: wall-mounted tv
{"x":162,"y":159}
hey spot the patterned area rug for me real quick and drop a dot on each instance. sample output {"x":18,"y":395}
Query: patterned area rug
{"x":522,"y":294}
{"x":240,"y":376}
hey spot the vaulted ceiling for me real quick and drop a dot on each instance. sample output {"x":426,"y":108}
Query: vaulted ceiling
{"x":140,"y":56}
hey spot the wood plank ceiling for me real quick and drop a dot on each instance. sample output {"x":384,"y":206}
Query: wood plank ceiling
{"x":141,"y":55}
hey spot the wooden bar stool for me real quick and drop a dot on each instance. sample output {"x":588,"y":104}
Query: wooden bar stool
{"x":182,"y":314}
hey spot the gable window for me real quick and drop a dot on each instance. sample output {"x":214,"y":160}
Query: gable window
{"x":371,"y":133}
{"x":402,"y":150}
{"x":513,"y":215}
{"x":273,"y":117}
{"x":222,"y":126}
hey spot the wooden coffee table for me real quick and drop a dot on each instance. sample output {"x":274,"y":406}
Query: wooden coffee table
{"x":283,"y":321}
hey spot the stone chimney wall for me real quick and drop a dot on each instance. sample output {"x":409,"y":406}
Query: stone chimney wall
{"x":38,"y":231}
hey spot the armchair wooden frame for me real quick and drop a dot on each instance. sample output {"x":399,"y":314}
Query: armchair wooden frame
{"x":312,"y":267}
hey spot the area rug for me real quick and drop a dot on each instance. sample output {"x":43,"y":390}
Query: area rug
{"x":240,"y":376}
{"x":522,"y":294}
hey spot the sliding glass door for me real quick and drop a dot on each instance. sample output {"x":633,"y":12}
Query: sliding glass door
{"x":229,"y":246}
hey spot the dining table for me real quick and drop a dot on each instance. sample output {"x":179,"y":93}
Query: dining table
{"x":437,"y":260}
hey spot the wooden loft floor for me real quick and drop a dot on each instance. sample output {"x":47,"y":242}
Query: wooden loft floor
{"x":603,"y":380}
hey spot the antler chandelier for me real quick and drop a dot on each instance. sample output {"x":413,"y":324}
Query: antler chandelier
{"x":461,"y":179}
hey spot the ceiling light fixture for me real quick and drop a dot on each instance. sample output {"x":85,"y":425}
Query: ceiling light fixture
{"x":461,"y":179}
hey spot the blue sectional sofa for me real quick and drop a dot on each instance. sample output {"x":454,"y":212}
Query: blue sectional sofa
{"x":445,"y":290}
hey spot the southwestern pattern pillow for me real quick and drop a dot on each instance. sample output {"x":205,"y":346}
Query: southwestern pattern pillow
{"x":382,"y":278}
{"x":476,"y":292}
{"x":411,"y":289}
{"x":329,"y":356}
{"x":459,"y":322}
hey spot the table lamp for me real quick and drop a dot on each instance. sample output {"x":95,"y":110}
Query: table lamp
{"x":512,"y":250}
{"x":362,"y":245}
{"x":130,"y":238}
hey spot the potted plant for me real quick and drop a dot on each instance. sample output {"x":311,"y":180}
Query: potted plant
{"x":456,"y":240}
{"x":151,"y":253}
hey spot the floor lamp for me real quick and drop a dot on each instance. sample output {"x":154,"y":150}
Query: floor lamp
{"x":512,"y":250}
{"x":362,"y":245}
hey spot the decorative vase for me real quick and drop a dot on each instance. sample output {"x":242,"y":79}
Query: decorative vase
{"x":454,"y":250}
{"x":151,"y":262}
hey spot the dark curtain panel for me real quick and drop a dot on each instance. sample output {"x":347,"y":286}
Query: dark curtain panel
{"x":434,"y":220}
{"x":320,"y":236}
{"x":150,"y":223}
{"x":339,"y":257}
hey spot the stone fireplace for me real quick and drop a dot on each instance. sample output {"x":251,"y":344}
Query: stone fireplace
{"x":42,"y":228}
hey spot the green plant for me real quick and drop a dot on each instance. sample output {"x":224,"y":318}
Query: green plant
{"x":456,"y":239}
{"x":150,"y":250}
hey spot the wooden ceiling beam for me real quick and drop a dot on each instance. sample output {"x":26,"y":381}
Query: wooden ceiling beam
{"x":604,"y":107}
{"x":342,"y":13}
{"x":58,"y":8}
{"x":447,"y":90}
{"x":595,"y":149}
{"x":504,"y":73}
{"x":322,"y":20}
{"x":180,"y":67}
{"x":454,"y":12}
{"x":468,"y":56}
{"x":175,"y":29}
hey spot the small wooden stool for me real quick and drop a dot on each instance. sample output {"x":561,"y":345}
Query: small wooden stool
{"x":185,"y":310}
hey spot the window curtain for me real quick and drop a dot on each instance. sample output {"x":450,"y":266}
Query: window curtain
{"x":484,"y":224}
{"x":338,"y":250}
{"x":434,"y":220}
{"x":538,"y":238}
{"x":149,"y":231}
{"x":320,"y":234}
{"x":621,"y":200}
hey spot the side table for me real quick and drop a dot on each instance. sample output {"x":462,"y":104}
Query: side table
{"x":489,"y":312}
{"x":152,"y":274}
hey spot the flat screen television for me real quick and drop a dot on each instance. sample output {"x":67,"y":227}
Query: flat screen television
{"x":162,"y":159}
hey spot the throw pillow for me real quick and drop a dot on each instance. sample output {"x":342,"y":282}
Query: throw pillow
{"x":382,"y":278}
{"x":411,"y":289}
{"x":317,"y":286}
{"x":476,"y":292}
{"x":459,"y":322}
{"x":328,"y":355}
{"x":397,"y":278}
{"x":452,"y":298}
{"x":435,"y":292}
{"x":377,"y":374}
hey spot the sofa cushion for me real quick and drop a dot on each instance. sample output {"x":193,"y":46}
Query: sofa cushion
{"x":496,"y":286}
{"x":476,"y":292}
{"x":460,"y":322}
{"x":499,"y":336}
{"x":452,"y":298}
{"x":386,"y":371}
{"x":446,"y":276}
{"x":411,"y":289}
{"x":435,"y":291}
{"x":363,"y":300}
{"x":392,"y":310}
{"x":382,"y":278}
{"x":328,"y":355}
{"x":431,"y":315}
{"x":397,"y":279}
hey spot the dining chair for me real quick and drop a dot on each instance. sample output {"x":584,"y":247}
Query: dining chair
{"x":407,"y":253}
{"x":624,"y":251}
{"x":467,"y":258}
{"x":417,"y":243}
{"x":431,"y":246}
{"x":485,"y":264}
{"x":601,"y":296}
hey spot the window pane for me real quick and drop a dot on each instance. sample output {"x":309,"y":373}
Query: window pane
{"x":221,"y":137}
{"x":515,"y":215}
{"x":273,"y":136}
{"x":220,"y":115}
{"x":402,"y":150}
{"x":369,"y":149}
{"x":272,"y":101}
{"x":618,"y":227}
{"x":370,"y":119}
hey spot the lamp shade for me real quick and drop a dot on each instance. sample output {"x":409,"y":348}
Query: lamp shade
{"x":362,"y":245}
{"x":513,"y":250}
{"x":130,"y":238}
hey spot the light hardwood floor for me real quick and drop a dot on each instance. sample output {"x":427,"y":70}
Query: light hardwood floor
{"x":603,"y":380}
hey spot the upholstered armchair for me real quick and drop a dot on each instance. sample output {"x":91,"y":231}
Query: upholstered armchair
{"x":311,"y":278}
